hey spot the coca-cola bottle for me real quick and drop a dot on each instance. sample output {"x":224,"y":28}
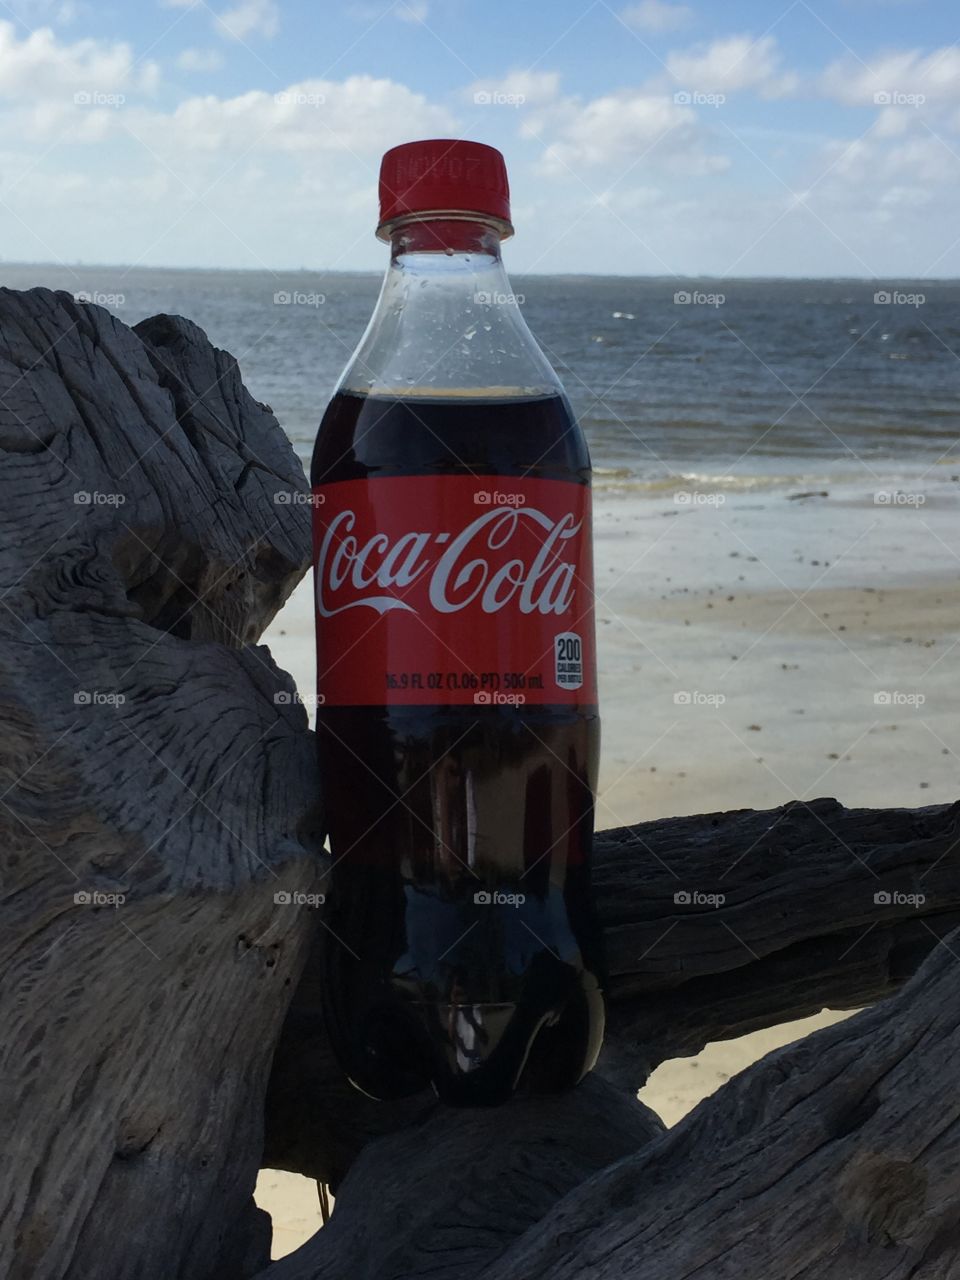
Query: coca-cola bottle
{"x":457,"y":719}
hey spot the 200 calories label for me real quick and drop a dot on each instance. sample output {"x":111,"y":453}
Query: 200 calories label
{"x":452,"y":590}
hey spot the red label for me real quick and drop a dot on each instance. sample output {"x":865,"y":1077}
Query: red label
{"x":453,"y":590}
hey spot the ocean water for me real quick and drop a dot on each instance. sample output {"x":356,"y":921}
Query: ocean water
{"x":747,"y":384}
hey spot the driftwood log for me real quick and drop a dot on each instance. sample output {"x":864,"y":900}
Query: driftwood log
{"x":159,"y":789}
{"x":154,"y":795}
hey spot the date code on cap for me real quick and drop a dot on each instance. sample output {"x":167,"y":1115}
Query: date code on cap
{"x":568,"y":660}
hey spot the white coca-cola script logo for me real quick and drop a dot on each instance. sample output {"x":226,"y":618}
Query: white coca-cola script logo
{"x":470,"y":566}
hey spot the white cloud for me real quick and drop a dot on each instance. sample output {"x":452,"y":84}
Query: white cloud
{"x":655,"y":15}
{"x":907,"y":74}
{"x":625,"y":129}
{"x":249,"y":17}
{"x":261,"y":178}
{"x":357,"y":117}
{"x":251,"y":179}
{"x":532,"y":88}
{"x":733,"y":63}
{"x":39,"y":68}
{"x":361,"y":114}
{"x":869,"y":167}
{"x":200,"y":60}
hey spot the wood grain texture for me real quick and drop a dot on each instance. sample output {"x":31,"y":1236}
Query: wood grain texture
{"x":836,"y":1157}
{"x":158,"y":788}
{"x":154,"y":795}
{"x":799,"y":930}
{"x":833,"y":1158}
{"x":448,"y":1195}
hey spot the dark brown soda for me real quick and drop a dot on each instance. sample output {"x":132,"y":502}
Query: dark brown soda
{"x":422,"y":979}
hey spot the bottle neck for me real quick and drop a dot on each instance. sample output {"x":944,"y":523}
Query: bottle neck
{"x":447,"y":322}
{"x":445,"y":235}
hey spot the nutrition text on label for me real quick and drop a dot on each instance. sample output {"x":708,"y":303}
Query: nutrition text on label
{"x":489,"y":681}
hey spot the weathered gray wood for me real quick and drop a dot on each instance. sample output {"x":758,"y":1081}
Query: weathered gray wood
{"x":834,"y":1158}
{"x":140,"y":758}
{"x":799,"y":928}
{"x":446,"y":1197}
{"x":799,"y":931}
{"x":144,"y":754}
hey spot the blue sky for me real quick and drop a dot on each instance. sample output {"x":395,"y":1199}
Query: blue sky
{"x":646,"y":137}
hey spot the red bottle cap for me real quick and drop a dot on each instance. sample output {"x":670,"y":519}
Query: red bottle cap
{"x":443,"y":175}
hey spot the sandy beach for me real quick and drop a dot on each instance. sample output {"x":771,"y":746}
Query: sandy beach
{"x":754,"y":648}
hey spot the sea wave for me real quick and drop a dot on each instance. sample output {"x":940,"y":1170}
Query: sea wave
{"x":622,"y":479}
